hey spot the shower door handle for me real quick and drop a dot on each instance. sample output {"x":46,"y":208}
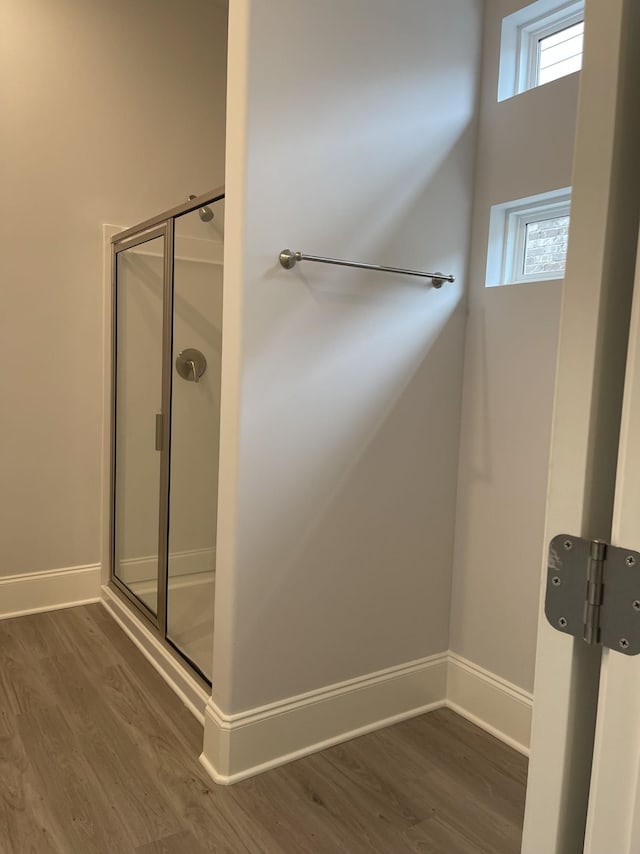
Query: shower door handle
{"x":191,"y":364}
{"x":159,"y":430}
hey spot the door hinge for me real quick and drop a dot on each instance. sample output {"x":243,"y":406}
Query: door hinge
{"x":593,"y":592}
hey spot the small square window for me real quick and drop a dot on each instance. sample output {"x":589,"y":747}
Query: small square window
{"x":529,"y":239}
{"x":540,"y":43}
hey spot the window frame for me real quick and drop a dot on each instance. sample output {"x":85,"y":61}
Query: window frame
{"x":522,"y":32}
{"x":530,"y":38}
{"x":517,"y":218}
{"x":508,"y":232}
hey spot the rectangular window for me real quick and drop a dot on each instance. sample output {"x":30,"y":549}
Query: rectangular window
{"x":560,"y":54}
{"x":545,"y":247}
{"x":529,"y":239}
{"x":540,"y":43}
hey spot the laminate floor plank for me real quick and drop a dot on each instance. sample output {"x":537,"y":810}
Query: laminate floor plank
{"x":373,"y":821}
{"x":492,"y":754}
{"x":24,"y":815}
{"x":492,"y":787}
{"x":430,"y":786}
{"x":30,"y":637}
{"x":7,"y":722}
{"x":98,"y":756}
{"x":80,"y":633}
{"x":25,"y":683}
{"x":133,"y":792}
{"x":454,"y":807}
{"x":163,"y":747}
{"x":441,"y":792}
{"x":76,"y":793}
{"x":433,"y":836}
{"x":376,"y":775}
{"x":146,"y":679}
{"x":294,"y":817}
{"x":179,"y":843}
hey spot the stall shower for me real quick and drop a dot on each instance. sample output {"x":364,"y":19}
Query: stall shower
{"x":166,"y":350}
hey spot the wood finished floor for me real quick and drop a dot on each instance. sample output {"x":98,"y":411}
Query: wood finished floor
{"x":98,"y":755}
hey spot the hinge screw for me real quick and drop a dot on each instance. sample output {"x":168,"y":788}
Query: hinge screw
{"x":568,"y":545}
{"x":562,"y":622}
{"x":556,"y":582}
{"x":630,"y":561}
{"x":636,"y":605}
{"x":624,"y":643}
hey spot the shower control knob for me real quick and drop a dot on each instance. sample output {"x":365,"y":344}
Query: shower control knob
{"x":191,"y":364}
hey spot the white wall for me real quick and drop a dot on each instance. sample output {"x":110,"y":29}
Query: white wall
{"x":110,"y":113}
{"x":525,"y":147}
{"x":352,"y":134}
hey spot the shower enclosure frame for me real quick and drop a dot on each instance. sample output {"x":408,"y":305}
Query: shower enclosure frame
{"x":161,"y":225}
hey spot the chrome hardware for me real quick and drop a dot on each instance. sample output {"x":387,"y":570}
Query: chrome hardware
{"x":289,"y":259}
{"x":206,"y":214}
{"x":209,"y":198}
{"x":191,"y":364}
{"x":593,"y":592}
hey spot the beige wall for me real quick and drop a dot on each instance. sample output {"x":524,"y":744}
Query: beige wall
{"x":352,"y":135}
{"x":110,"y":113}
{"x":525,"y":147}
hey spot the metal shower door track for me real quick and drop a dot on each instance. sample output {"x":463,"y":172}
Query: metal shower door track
{"x":179,"y":210}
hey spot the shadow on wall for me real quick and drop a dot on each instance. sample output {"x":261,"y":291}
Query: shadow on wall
{"x":368,"y":485}
{"x":377,"y":528}
{"x":351,"y":381}
{"x":478,"y":461}
{"x":419,"y":238}
{"x":504,"y":457}
{"x":400,"y":226}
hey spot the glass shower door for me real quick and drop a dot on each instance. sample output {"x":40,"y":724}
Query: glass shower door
{"x":166,"y":343}
{"x":139,"y":286}
{"x":195,"y":428}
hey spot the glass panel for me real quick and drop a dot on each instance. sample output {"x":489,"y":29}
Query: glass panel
{"x":195,"y":427}
{"x":139,"y":292}
{"x":545,"y":247}
{"x":561,"y":53}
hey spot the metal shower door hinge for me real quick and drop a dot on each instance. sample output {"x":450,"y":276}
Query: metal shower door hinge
{"x":593,"y":592}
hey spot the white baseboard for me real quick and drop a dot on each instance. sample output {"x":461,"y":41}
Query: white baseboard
{"x":192,"y":693}
{"x":245,"y":744}
{"x":49,"y":591}
{"x":497,"y":706}
{"x":242,"y":745}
